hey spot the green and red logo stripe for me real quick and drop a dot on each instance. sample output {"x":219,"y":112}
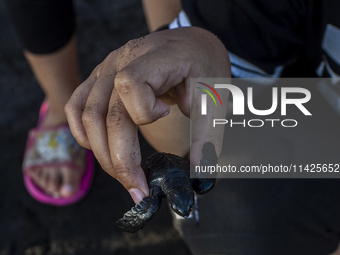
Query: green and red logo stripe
{"x":208,"y":92}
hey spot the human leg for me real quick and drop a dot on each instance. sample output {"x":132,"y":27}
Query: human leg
{"x":58,"y":76}
{"x":46,"y":29}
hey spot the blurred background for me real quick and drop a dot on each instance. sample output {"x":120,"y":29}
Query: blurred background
{"x":88,"y":227}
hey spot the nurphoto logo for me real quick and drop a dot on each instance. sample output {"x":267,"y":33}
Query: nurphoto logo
{"x":239,"y":104}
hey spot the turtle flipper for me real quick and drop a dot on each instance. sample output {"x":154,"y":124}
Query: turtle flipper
{"x":141,"y":213}
{"x":204,"y":185}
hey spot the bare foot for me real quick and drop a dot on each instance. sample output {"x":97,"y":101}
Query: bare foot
{"x":57,"y":181}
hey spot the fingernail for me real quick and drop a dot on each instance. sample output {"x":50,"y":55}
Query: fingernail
{"x":136,"y":195}
{"x":165,"y":114}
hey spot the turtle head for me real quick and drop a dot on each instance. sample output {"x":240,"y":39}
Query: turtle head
{"x":182,"y":201}
{"x":178,"y":190}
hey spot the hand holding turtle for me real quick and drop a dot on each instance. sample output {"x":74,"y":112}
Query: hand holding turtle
{"x":123,"y":92}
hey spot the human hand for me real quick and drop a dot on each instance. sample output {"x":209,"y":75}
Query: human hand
{"x":123,"y":92}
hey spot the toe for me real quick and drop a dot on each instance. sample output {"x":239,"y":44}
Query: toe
{"x":33,"y":173}
{"x":53,"y":180}
{"x":48,"y":179}
{"x":40,"y":178}
{"x":70,"y":182}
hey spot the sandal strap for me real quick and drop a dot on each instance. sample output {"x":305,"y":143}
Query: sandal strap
{"x":53,"y":147}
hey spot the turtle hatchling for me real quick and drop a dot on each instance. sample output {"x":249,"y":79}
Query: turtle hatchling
{"x":168,"y":175}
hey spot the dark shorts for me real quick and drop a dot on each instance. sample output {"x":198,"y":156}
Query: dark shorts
{"x":43,"y":26}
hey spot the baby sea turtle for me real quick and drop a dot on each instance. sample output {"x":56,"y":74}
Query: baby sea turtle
{"x":168,"y":176}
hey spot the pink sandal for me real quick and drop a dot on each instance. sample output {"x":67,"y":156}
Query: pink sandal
{"x":55,"y":146}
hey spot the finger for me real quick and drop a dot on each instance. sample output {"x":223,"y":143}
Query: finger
{"x":141,"y":81}
{"x":94,"y":117}
{"x":125,"y":150}
{"x":75,"y":106}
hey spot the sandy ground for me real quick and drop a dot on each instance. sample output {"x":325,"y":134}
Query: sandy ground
{"x":28,"y":227}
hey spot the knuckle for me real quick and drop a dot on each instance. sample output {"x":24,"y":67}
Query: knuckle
{"x":107,"y":167}
{"x":130,"y":45}
{"x":126,"y":79}
{"x":114,"y":116}
{"x":69,"y":109}
{"x":126,"y":49}
{"x":90,"y":114}
{"x":81,"y":140}
{"x":122,"y":173}
{"x":143,"y":118}
{"x":112,"y":54}
{"x":96,"y":71}
{"x":131,"y":42}
{"x":111,"y":58}
{"x":143,"y":115}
